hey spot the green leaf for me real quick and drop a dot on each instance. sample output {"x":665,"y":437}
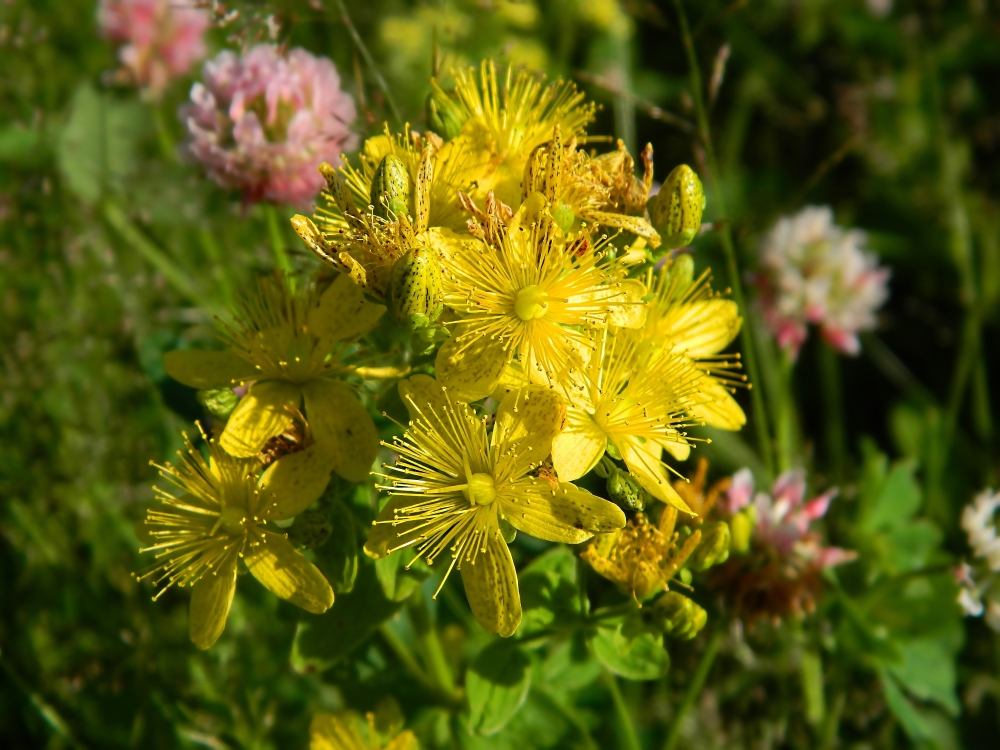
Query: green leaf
{"x":928,"y":672}
{"x":897,"y":500}
{"x":909,"y":547}
{"x":569,"y":666}
{"x":396,"y":580}
{"x":497,"y":684}
{"x":639,"y":658}
{"x":549,"y":590}
{"x":338,"y":557}
{"x":321,"y":641}
{"x":903,"y":709}
{"x":96,"y":148}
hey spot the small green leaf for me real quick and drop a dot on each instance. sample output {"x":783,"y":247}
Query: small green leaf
{"x":928,"y":672}
{"x":903,"y":709}
{"x":549,"y":590}
{"x":497,"y":684}
{"x":897,"y":500}
{"x":338,"y":557}
{"x":640,"y":658}
{"x":396,"y":580}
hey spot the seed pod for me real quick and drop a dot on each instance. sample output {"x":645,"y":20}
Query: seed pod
{"x":624,"y":491}
{"x":218,"y":402}
{"x":391,"y":188}
{"x":416,"y":289}
{"x":714,"y":547}
{"x":444,"y":117}
{"x":741,"y":530}
{"x":676,"y":210}
{"x":679,"y":616}
{"x":310,"y":530}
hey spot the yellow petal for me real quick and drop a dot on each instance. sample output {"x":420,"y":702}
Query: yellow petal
{"x":296,"y":480}
{"x":529,"y":418}
{"x":339,"y":421}
{"x":422,"y":394}
{"x":342,"y":312}
{"x":651,"y":473}
{"x":700,"y":329}
{"x":260,"y":415}
{"x":680,"y":450}
{"x":717,"y":406}
{"x":200,"y":368}
{"x":405,"y":741}
{"x":288,"y":574}
{"x":564,"y":514}
{"x":491,"y":588}
{"x":577,"y":449}
{"x":210,"y":601}
{"x":629,"y":311}
{"x":513,"y":378}
{"x":634,"y":224}
{"x":328,"y":732}
{"x":474,"y":368}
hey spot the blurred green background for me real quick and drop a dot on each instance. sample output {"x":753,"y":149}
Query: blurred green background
{"x":112,"y":248}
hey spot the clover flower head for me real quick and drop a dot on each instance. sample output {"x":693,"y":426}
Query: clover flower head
{"x":980,"y":526}
{"x":814,"y":271}
{"x":161,"y":39}
{"x":262,"y":122}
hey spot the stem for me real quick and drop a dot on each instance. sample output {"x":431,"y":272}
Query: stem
{"x":430,"y":644}
{"x":725,"y":235}
{"x":369,"y":60}
{"x":624,"y":718}
{"x":829,"y":372}
{"x":403,"y":654}
{"x":164,"y":138}
{"x":214,"y":254}
{"x":281,"y":258}
{"x":570,"y":715}
{"x":785,"y":427}
{"x":695,"y":686}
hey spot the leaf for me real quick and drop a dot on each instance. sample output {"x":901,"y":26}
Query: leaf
{"x":322,"y":641}
{"x":549,"y":590}
{"x":904,"y":710}
{"x":928,"y":672}
{"x":96,"y":148}
{"x":338,"y":557}
{"x":569,"y":666}
{"x":897,"y":500}
{"x":639,"y":658}
{"x":497,"y":684}
{"x":397,"y":582}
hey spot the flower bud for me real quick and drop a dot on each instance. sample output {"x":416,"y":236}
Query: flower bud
{"x":507,"y":530}
{"x":714,"y":546}
{"x":310,"y":530}
{"x":443,"y":116}
{"x":680,"y":274}
{"x":218,"y":402}
{"x":676,"y":210}
{"x":679,"y":616}
{"x":416,"y":289}
{"x":741,"y":529}
{"x":624,"y":491}
{"x":390,"y":190}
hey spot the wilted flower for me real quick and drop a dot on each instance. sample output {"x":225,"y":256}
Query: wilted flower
{"x":816,"y":272}
{"x":981,"y":528}
{"x":161,"y":39}
{"x":264,"y":121}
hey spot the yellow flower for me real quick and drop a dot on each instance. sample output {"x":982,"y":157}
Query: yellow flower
{"x":641,"y":558}
{"x":329,"y":732}
{"x":633,"y":405}
{"x":529,"y":297}
{"x":506,"y":122}
{"x":686,"y":318}
{"x":293,"y":347}
{"x":456,"y":488}
{"x":221,"y":514}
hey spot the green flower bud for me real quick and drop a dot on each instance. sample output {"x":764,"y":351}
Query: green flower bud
{"x":564,"y":217}
{"x":676,"y":210}
{"x":680,"y":274}
{"x":507,"y":531}
{"x":613,"y":451}
{"x":310,"y":530}
{"x":741,"y":529}
{"x":218,"y":402}
{"x":679,"y":616}
{"x":624,"y":491}
{"x":714,"y":546}
{"x":390,"y":188}
{"x":416,"y":289}
{"x":444,"y":117}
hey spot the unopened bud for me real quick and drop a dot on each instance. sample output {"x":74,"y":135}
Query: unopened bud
{"x":507,"y":531}
{"x":676,"y":210}
{"x":444,"y":116}
{"x":741,"y":529}
{"x":309,"y":531}
{"x":679,"y":616}
{"x":624,"y":491}
{"x":218,"y":402}
{"x":390,"y":191}
{"x":714,"y":546}
{"x":416,"y":289}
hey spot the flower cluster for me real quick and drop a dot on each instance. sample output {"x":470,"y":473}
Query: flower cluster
{"x":262,"y":122}
{"x":161,"y":39}
{"x":979,"y":524}
{"x":814,"y":271}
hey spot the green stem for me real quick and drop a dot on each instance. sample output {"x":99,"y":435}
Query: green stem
{"x":281,"y":258}
{"x":214,"y":254}
{"x":570,"y":715}
{"x":403,"y":654}
{"x":982,"y":412}
{"x":728,"y":247}
{"x":832,"y":721}
{"x":430,"y":644}
{"x":833,"y":402}
{"x":369,"y":61}
{"x":624,"y":717}
{"x":697,"y":683}
{"x":164,"y":138}
{"x":786,"y":426}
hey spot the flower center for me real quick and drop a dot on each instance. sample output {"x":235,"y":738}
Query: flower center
{"x":481,"y":489}
{"x":233,"y":520}
{"x":531,"y":303}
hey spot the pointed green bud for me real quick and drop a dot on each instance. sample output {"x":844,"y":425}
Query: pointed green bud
{"x":444,"y":116}
{"x":679,"y":616}
{"x":218,"y":402}
{"x":624,"y":491}
{"x":741,"y":529}
{"x":676,"y":210}
{"x":416,"y":289}
{"x":714,"y":546}
{"x":391,"y":188}
{"x":310,"y":530}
